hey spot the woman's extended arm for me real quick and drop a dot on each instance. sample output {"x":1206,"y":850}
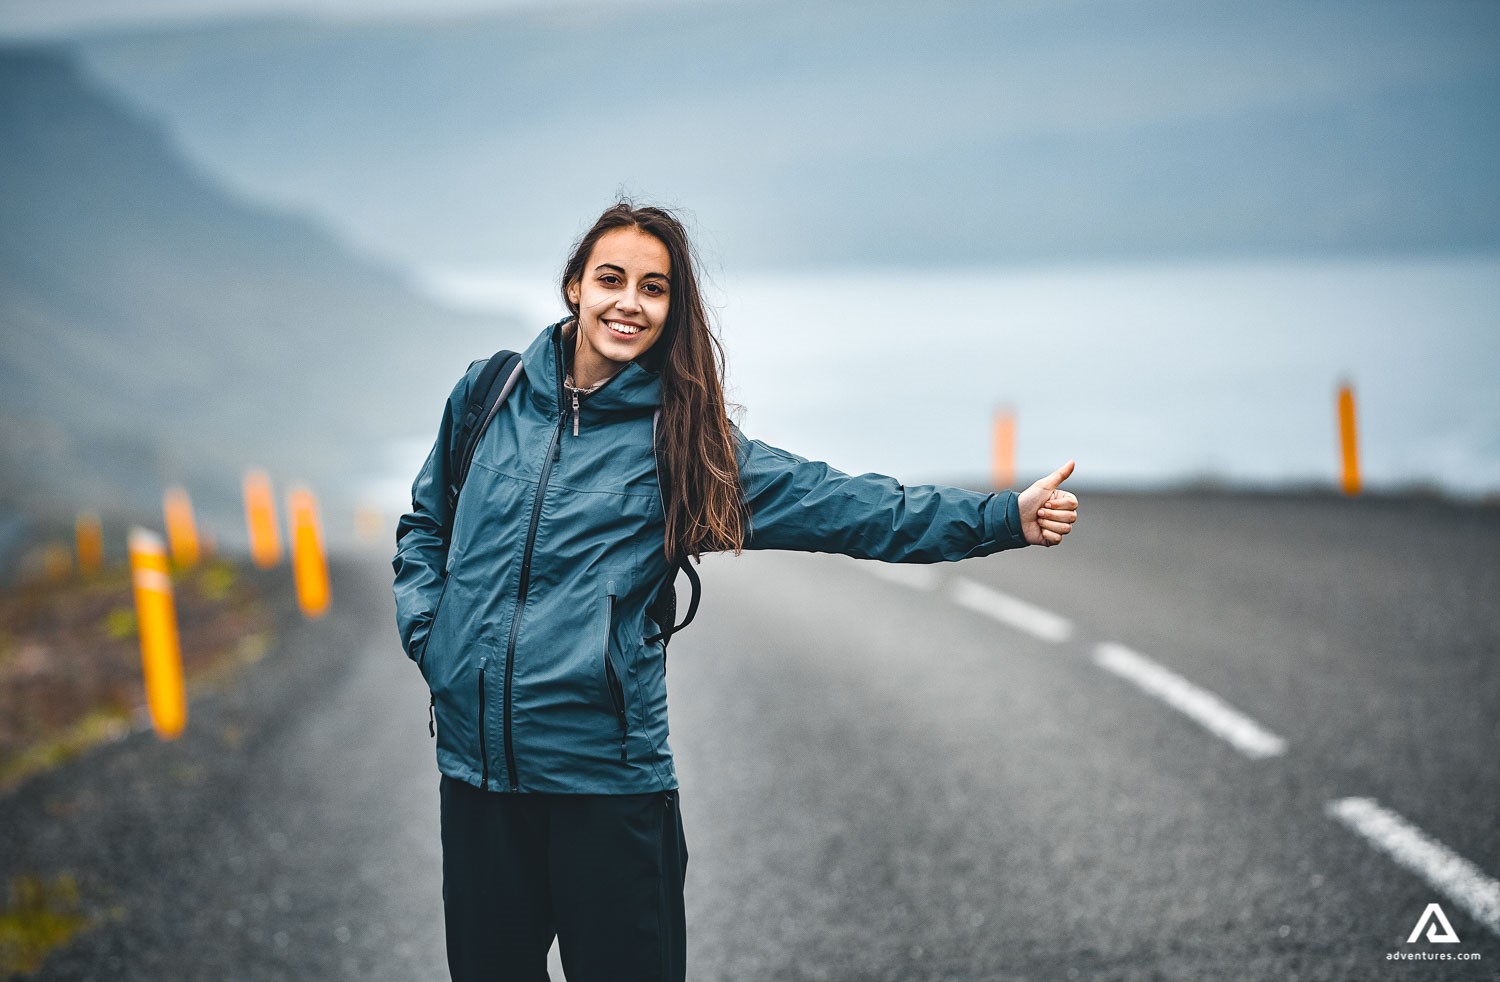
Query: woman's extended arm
{"x":809,"y":506}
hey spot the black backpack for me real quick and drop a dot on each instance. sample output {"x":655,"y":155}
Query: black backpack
{"x":494,"y":383}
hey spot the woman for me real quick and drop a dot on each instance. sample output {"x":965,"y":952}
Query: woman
{"x":525,"y":606}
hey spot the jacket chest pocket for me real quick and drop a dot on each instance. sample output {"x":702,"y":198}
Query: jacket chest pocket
{"x":613,"y":667}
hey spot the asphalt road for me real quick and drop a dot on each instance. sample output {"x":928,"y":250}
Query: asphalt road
{"x":890,"y":774}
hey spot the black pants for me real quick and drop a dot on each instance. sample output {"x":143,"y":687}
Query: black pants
{"x":603,"y":873}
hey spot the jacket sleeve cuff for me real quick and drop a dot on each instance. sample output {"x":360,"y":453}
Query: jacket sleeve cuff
{"x":1003,"y":516}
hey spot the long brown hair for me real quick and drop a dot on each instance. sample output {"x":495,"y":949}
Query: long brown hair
{"x":705,"y":509}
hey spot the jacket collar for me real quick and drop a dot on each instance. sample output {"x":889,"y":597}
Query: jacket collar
{"x":634,"y":390}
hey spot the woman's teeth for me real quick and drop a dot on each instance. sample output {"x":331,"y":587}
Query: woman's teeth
{"x":623,"y":328}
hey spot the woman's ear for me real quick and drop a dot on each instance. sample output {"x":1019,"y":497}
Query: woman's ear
{"x":573,"y":292}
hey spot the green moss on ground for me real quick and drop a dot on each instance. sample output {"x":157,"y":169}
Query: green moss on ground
{"x":70,"y":663}
{"x":40,"y":916}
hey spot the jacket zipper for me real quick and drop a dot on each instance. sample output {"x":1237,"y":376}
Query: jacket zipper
{"x":616,"y":685}
{"x":575,"y":412}
{"x":554,"y":453}
{"x":484,"y":756}
{"x":521,"y":590}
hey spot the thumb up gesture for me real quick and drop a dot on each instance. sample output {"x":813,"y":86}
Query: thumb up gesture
{"x":1047,"y":511}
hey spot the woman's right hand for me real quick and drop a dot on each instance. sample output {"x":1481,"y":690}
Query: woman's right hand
{"x":1047,"y":511}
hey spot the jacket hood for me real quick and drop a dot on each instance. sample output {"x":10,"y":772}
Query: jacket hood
{"x":634,"y":390}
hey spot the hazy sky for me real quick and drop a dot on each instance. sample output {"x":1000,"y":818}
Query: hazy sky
{"x":986,"y":131}
{"x":42,"y":17}
{"x":883,"y":195}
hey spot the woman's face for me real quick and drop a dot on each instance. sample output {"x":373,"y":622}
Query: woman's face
{"x":622,"y":298}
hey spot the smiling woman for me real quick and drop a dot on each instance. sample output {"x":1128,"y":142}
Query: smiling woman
{"x":619,"y":277}
{"x":621,"y":304}
{"x":526,"y":601}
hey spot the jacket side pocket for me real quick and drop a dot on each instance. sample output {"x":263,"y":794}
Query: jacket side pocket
{"x":484,"y":750}
{"x":432,"y":628}
{"x":611,"y":676}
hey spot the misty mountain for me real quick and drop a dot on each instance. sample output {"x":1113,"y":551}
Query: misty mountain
{"x":157,"y":330}
{"x":896,"y":132}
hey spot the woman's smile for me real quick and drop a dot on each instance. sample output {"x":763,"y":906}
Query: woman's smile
{"x":624,"y":328}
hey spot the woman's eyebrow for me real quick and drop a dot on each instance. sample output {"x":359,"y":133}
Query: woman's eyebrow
{"x":621,"y":271}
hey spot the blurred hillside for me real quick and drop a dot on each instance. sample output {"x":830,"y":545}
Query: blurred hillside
{"x":890,"y":132}
{"x":1224,"y":209}
{"x":157,"y":330}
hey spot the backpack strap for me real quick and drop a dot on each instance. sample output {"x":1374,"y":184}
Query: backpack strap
{"x":663,"y":607}
{"x":494,"y":383}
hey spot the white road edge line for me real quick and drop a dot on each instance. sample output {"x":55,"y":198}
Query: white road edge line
{"x":1012,"y":611}
{"x":916,"y":577}
{"x":1443,"y":869}
{"x":1199,"y":705}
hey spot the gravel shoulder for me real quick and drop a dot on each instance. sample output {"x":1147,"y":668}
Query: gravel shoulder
{"x":277,"y":838}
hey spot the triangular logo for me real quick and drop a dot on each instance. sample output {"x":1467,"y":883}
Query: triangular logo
{"x":1435,"y":921}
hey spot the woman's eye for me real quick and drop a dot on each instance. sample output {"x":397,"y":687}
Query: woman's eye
{"x":655,"y":289}
{"x":609,"y":279}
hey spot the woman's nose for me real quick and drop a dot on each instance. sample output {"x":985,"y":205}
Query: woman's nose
{"x":628,"y":300}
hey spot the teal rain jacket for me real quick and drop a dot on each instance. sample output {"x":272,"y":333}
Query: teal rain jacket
{"x":525,"y":610}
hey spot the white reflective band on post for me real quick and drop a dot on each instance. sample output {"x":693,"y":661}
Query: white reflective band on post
{"x":915,"y":577}
{"x":152,"y":579}
{"x":144,"y":540}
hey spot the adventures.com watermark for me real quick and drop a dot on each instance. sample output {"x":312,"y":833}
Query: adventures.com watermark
{"x":1439,"y":931}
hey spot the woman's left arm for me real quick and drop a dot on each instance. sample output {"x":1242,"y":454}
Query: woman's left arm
{"x":808,"y":506}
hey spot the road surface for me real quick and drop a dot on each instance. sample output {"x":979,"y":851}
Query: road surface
{"x":1211,"y":737}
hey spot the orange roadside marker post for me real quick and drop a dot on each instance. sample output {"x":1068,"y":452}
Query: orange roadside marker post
{"x":1348,"y":440}
{"x":156,"y":619}
{"x":369,"y":524}
{"x":182,"y":529}
{"x":309,"y":563}
{"x":260,"y":519}
{"x":90,"y":535}
{"x":1004,"y":461}
{"x":57,"y":562}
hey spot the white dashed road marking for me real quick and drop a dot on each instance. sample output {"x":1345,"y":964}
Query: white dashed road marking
{"x":1012,"y":611}
{"x":916,"y":577}
{"x":1459,"y":880}
{"x":1199,"y":705}
{"x":1444,"y":870}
